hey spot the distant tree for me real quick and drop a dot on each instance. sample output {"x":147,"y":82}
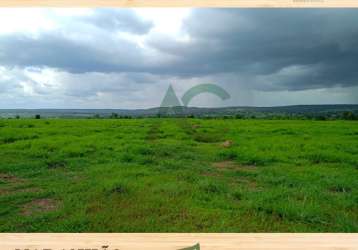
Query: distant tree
{"x":348,"y":115}
{"x":17,"y":117}
{"x":321,"y":118}
{"x":96,"y":116}
{"x":238,"y":116}
{"x":37,"y":116}
{"x":114,"y":116}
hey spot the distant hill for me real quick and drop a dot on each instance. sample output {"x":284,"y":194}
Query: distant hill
{"x":259,"y":112}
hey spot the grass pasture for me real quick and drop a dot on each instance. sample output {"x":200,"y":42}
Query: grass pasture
{"x":178,"y":175}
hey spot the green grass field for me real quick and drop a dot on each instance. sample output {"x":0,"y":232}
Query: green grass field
{"x":177,"y":175}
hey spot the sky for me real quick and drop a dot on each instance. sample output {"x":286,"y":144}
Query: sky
{"x":127,"y":58}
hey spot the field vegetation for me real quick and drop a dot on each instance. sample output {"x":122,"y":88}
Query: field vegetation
{"x":178,"y":175}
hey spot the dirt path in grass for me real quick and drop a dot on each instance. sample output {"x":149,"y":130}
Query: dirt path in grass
{"x":193,"y":129}
{"x":154,"y":131}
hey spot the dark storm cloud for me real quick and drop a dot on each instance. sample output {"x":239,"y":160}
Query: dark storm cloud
{"x":273,"y":49}
{"x":265,"y":42}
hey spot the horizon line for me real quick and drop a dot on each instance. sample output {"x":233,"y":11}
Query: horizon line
{"x":243,"y":106}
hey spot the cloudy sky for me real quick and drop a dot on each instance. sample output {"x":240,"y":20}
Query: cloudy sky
{"x":127,"y":58}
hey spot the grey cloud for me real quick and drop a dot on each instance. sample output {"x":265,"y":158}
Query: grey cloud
{"x":91,"y":84}
{"x":70,"y":90}
{"x":118,"y":19}
{"x":56,"y":51}
{"x":10,"y":81}
{"x":78,"y":47}
{"x":263,"y":42}
{"x":7,"y":86}
{"x":270,"y":49}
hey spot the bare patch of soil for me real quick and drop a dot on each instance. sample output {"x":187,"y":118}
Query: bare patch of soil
{"x":10,"y":178}
{"x":4,"y":191}
{"x":227,"y":144}
{"x":21,"y":190}
{"x":39,"y":206}
{"x":29,"y":190}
